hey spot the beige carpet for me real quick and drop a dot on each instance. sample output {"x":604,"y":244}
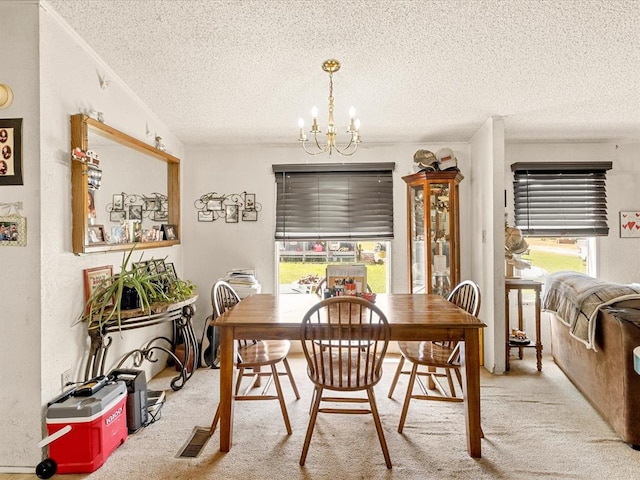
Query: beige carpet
{"x":535,"y":425}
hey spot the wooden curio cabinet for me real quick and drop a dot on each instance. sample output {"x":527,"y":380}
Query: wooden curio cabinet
{"x":434,"y":235}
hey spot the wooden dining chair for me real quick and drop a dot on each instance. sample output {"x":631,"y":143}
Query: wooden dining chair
{"x":252,"y":355}
{"x":439,"y":358}
{"x":344,"y":341}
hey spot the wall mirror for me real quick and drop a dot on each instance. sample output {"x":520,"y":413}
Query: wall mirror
{"x":138,"y":197}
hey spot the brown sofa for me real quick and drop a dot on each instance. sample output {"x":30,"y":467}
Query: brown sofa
{"x":606,"y":376}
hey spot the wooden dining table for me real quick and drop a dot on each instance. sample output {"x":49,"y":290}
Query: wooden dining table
{"x":410,"y":316}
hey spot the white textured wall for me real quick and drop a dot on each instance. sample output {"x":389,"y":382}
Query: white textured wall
{"x":53,"y":75}
{"x":617,"y":257}
{"x":215,"y":248}
{"x":20,"y":351}
{"x":487,"y":205}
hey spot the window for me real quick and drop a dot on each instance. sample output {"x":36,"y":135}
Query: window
{"x":560,"y":208}
{"x":561,"y":199}
{"x":332,"y":213}
{"x":334,"y":201}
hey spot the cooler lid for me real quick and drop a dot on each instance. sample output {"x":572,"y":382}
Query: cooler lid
{"x":83,"y":407}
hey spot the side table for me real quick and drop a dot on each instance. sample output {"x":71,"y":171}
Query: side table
{"x":520,"y":285}
{"x":179,"y":314}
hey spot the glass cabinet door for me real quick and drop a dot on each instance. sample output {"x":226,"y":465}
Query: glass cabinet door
{"x":440,"y":237}
{"x":417,"y":222}
{"x":433,"y":234}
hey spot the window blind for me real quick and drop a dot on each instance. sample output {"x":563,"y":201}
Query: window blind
{"x":561,"y":199}
{"x":334,"y":201}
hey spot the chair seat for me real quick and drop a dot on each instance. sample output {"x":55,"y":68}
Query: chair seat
{"x":351,"y":377}
{"x":263,"y":352}
{"x":427,"y":353}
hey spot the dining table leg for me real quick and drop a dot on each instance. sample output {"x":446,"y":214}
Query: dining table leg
{"x":226,"y":388}
{"x":470,"y":356}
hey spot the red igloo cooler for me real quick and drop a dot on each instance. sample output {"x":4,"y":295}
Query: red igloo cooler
{"x":98,"y":426}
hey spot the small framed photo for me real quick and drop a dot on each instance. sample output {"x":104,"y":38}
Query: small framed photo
{"x":215,"y":205}
{"x":11,"y":151}
{"x":96,"y":234}
{"x":250,"y":201}
{"x":118,"y":202}
{"x":155,"y":267}
{"x":170,"y":232}
{"x":629,"y":224}
{"x":159,"y":216}
{"x":117,"y":215}
{"x":117,"y":235}
{"x":142,"y":267}
{"x":249,"y":215}
{"x":135,"y":212}
{"x":205,"y":215}
{"x":151,"y":204}
{"x":13,"y":231}
{"x":232,"y":213}
{"x":170,"y":271}
{"x":94,"y":277}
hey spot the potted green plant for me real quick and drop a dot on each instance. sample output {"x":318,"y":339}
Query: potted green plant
{"x":131,"y":288}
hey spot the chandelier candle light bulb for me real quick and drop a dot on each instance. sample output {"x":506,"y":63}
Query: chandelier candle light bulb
{"x":331,"y":66}
{"x":303,"y":136}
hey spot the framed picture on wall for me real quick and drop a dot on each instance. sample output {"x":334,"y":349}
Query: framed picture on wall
{"x":117,"y":215}
{"x":11,"y":151}
{"x":249,"y":215}
{"x":205,"y":215}
{"x":118,"y":201}
{"x":13,"y":231}
{"x":215,"y":205}
{"x":135,"y":212}
{"x":250,"y":201}
{"x":151,"y":204}
{"x":630,"y":224}
{"x":232,"y":213}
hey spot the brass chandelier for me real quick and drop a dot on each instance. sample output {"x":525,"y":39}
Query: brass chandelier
{"x":331,"y":66}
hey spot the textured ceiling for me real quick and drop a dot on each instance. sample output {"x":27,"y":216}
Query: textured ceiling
{"x":241,"y":72}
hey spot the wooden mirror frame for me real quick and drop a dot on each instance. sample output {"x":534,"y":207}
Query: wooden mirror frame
{"x":81,"y":125}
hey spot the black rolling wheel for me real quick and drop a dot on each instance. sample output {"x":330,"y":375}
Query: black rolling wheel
{"x":46,"y":468}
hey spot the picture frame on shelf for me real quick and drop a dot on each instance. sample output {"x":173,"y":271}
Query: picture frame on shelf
{"x":93,"y":278}
{"x":205,"y":215}
{"x":170,"y":232}
{"x":249,"y":215}
{"x":11,"y":151}
{"x":118,"y":202}
{"x":96,"y":235}
{"x":13,"y":231}
{"x":170,"y":271}
{"x":142,"y":266}
{"x":231,"y":213}
{"x":117,"y":235}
